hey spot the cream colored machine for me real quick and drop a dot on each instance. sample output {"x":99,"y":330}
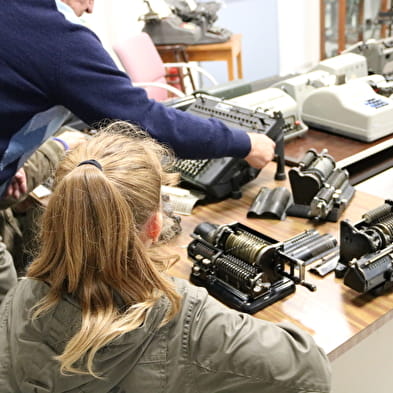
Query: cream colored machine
{"x":334,"y":71}
{"x":300,"y":86}
{"x":271,"y":100}
{"x":352,"y":109}
{"x":346,"y":67}
{"x":339,"y":96}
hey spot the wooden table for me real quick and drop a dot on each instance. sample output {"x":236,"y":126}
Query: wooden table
{"x":229,"y":51}
{"x":337,"y":316}
{"x":347,"y":152}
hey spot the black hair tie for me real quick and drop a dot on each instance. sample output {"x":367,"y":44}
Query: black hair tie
{"x":91,"y":162}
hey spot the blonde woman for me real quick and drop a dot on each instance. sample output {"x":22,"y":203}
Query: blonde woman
{"x":97,"y":314}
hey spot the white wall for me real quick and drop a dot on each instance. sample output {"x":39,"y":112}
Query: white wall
{"x":112,"y":20}
{"x":256,"y":20}
{"x":298,"y":35}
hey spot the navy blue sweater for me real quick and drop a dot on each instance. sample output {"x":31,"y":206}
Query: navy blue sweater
{"x":46,"y":60}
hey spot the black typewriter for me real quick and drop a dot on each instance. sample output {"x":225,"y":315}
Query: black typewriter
{"x":220,"y":178}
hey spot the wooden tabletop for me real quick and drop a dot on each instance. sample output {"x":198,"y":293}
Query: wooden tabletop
{"x":234,"y":43}
{"x":361,"y":159}
{"x":229,"y":51}
{"x":335,"y":315}
{"x":340,"y":147}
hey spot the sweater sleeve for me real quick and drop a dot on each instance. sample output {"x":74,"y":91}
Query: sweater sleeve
{"x":89,"y":84}
{"x":232,"y":351}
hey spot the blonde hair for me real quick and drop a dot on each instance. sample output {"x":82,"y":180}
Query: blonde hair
{"x":90,"y":244}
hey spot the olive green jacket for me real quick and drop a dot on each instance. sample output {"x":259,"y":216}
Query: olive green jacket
{"x":17,"y":229}
{"x":42,"y":164}
{"x":205,"y":348}
{"x":7,"y":271}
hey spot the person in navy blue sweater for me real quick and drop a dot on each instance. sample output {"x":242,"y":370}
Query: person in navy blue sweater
{"x":50,"y":64}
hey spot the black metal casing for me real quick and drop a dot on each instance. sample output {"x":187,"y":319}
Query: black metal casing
{"x":366,"y":251}
{"x":243,"y":268}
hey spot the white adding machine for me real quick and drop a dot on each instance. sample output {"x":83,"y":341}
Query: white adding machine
{"x":337,"y":96}
{"x":353,"y":109}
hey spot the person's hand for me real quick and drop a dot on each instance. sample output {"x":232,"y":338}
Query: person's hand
{"x":262,"y":150}
{"x":18,"y":185}
{"x":72,"y":138}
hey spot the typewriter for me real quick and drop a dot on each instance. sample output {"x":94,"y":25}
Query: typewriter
{"x":203,"y":14}
{"x":223,"y":177}
{"x":272,"y":100}
{"x":248,"y":270}
{"x":378,"y":54}
{"x":180,"y":22}
{"x":366,"y":251}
